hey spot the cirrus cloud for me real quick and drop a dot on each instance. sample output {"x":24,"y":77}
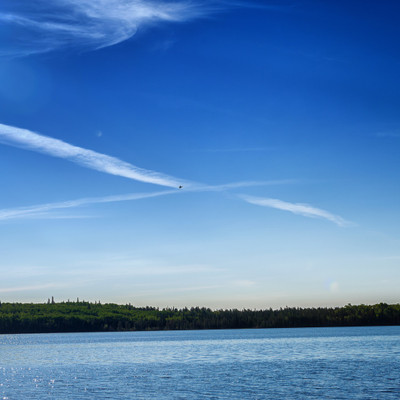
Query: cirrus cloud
{"x":42,"y":26}
{"x":305,"y":210}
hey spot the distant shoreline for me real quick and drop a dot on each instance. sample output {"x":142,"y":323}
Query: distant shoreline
{"x":95,"y":317}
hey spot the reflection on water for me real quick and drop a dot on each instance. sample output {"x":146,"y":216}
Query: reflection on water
{"x":335,"y":363}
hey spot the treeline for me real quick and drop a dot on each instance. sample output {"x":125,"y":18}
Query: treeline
{"x":92,"y":317}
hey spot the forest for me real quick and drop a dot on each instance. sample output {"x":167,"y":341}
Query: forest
{"x":82,"y":316}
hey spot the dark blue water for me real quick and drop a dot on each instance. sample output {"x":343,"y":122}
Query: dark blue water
{"x":309,"y":363}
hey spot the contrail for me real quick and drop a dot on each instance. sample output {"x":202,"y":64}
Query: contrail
{"x":296,"y":208}
{"x":44,"y":209}
{"x":90,"y":159}
{"x":237,"y":185}
{"x":101,"y":162}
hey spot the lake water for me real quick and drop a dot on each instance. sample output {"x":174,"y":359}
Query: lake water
{"x":305,"y":363}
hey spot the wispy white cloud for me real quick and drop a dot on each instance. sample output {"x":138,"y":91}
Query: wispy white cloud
{"x":57,"y":148}
{"x":237,"y":185}
{"x":42,"y":26}
{"x":42,"y":210}
{"x":46,"y":210}
{"x":98,"y":268}
{"x":296,"y":208}
{"x":238,"y":150}
{"x":243,"y":283}
{"x":179,"y":289}
{"x":33,"y":141}
{"x":133,"y":269}
{"x":27,"y":288}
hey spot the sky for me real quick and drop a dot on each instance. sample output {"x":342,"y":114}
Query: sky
{"x":226,"y":154}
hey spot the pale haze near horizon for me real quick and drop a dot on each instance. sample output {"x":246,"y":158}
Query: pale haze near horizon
{"x":280,"y":122}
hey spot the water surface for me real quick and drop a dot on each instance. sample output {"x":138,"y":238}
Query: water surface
{"x":299,"y":363}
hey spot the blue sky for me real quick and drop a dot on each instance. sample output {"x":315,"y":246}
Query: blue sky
{"x":279,"y":119}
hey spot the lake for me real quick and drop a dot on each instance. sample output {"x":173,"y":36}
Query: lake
{"x":298,"y":363}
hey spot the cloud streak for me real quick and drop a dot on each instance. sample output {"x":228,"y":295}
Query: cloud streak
{"x":27,"y":288}
{"x":29,"y":140}
{"x":305,"y":210}
{"x":43,"y":26}
{"x":43,"y":210}
{"x":238,"y":150}
{"x":237,"y":185}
